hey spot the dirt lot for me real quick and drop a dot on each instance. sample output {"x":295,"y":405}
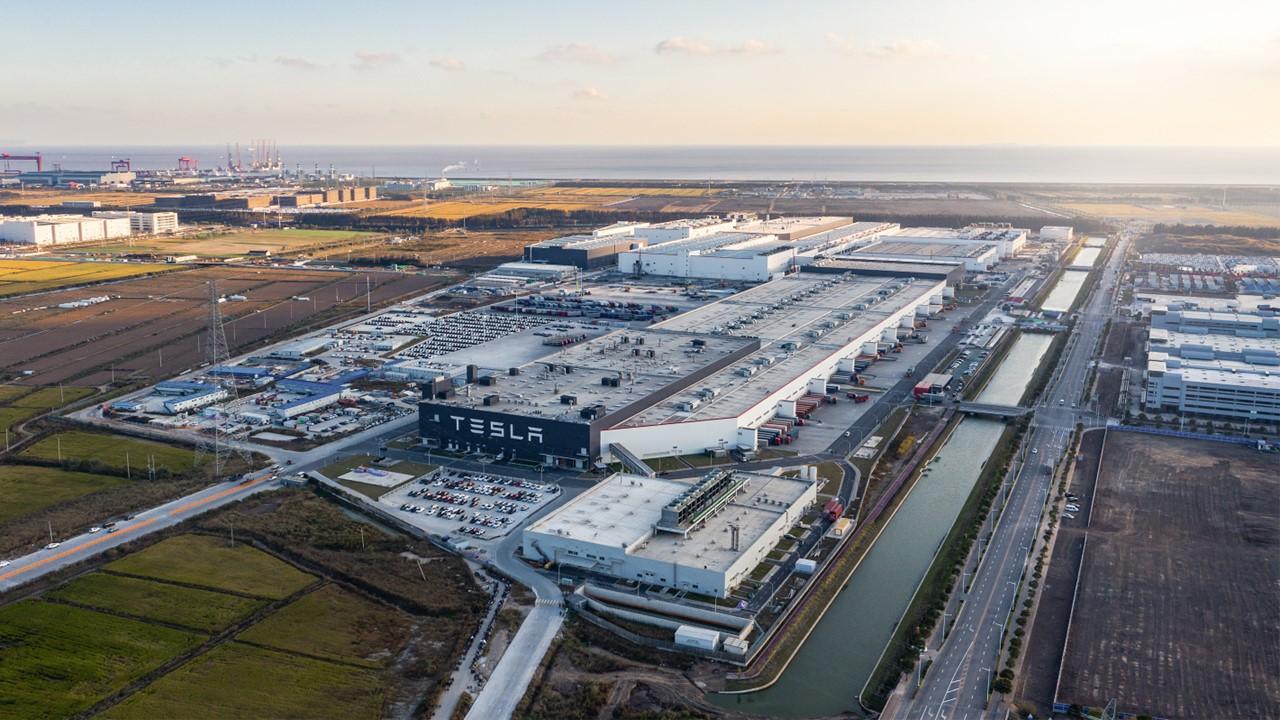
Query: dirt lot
{"x":226,"y":243}
{"x":450,"y":247}
{"x":1178,"y":608}
{"x":1211,"y":244}
{"x":155,"y":327}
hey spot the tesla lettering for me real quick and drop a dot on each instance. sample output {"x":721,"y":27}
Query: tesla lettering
{"x":496,"y":429}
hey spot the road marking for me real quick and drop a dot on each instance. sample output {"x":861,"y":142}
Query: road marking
{"x":132,"y":528}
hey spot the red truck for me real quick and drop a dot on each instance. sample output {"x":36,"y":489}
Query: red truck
{"x":858,"y":397}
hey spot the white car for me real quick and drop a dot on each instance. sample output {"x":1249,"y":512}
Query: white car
{"x":95,"y":529}
{"x":52,"y":545}
{"x":4,"y":563}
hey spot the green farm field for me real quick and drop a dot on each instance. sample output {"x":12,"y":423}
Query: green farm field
{"x":60,"y":660}
{"x":112,"y":452}
{"x":26,"y":489}
{"x":335,"y":624}
{"x":210,"y":562}
{"x":151,"y":600}
{"x":235,"y":680}
{"x":18,"y":404}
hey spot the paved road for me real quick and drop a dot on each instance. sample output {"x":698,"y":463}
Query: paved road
{"x":957,"y":682}
{"x":510,"y":679}
{"x":87,"y":545}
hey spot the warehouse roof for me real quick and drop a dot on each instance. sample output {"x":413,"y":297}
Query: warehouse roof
{"x":584,"y":373}
{"x":623,"y":510}
{"x":791,"y":311}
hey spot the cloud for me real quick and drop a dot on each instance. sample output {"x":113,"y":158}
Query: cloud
{"x":577,"y":52}
{"x":449,"y":64}
{"x":682,"y":46}
{"x":687,"y":46}
{"x":751,"y":47}
{"x":897,"y":50}
{"x":589,"y":93}
{"x":369,"y":60}
{"x":296,"y":63}
{"x":905,"y":50}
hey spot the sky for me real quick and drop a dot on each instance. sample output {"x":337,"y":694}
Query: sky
{"x":924,"y":72}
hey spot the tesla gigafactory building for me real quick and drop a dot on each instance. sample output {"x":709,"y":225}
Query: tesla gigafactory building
{"x":706,"y":380}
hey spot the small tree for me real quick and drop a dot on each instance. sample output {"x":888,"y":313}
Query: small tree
{"x":1001,"y":685}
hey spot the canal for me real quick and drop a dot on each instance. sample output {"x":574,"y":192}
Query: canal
{"x":1065,"y":291}
{"x":827,"y":674}
{"x":1009,"y":381}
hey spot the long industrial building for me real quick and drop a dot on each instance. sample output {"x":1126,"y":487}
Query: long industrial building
{"x":60,"y":229}
{"x":1221,"y":364}
{"x":754,"y":250}
{"x":1220,"y":388}
{"x":708,"y":379}
{"x":704,"y":537}
{"x":1008,"y":241}
{"x":974,"y":257}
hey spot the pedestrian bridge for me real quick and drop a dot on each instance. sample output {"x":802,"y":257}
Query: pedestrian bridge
{"x":988,"y":410}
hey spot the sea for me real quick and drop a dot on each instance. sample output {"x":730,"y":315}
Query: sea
{"x":973,"y":163}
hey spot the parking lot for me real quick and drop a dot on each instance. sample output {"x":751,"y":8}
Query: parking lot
{"x":458,"y":503}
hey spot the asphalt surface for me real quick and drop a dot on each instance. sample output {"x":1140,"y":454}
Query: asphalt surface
{"x":957,"y":683}
{"x":73,"y":550}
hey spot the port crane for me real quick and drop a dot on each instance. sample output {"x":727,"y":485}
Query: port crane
{"x":38,"y":158}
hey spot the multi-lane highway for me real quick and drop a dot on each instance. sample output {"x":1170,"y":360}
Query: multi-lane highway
{"x":81,"y":547}
{"x":958,"y":681}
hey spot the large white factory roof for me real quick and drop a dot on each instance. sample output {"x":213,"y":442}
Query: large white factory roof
{"x":1216,"y":372}
{"x":579,"y":371}
{"x":932,"y":249}
{"x":1220,"y":344}
{"x":791,"y":310}
{"x":622,"y":511}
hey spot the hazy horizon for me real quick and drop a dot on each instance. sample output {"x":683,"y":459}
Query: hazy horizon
{"x":825,"y":73}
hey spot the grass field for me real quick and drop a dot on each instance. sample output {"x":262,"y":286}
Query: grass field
{"x":19,"y":277}
{"x":199,"y":609}
{"x":239,"y":681}
{"x":335,"y":624}
{"x":60,"y":660}
{"x":113,"y":451}
{"x":210,"y":562}
{"x":227,"y":244}
{"x":15,"y":406}
{"x":26,"y":489}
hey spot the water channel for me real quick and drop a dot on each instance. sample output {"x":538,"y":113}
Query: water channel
{"x":1009,"y":381}
{"x":1065,"y":292}
{"x":827,"y":674}
{"x":832,"y":666}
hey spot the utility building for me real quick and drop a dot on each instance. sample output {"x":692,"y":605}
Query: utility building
{"x":703,"y":537}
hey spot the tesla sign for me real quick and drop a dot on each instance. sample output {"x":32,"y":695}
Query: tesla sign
{"x":496,"y":429}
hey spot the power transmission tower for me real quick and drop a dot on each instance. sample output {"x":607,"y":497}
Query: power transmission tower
{"x":219,"y":354}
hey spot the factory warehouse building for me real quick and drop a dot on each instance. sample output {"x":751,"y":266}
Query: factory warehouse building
{"x":707,"y":380}
{"x":704,"y":537}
